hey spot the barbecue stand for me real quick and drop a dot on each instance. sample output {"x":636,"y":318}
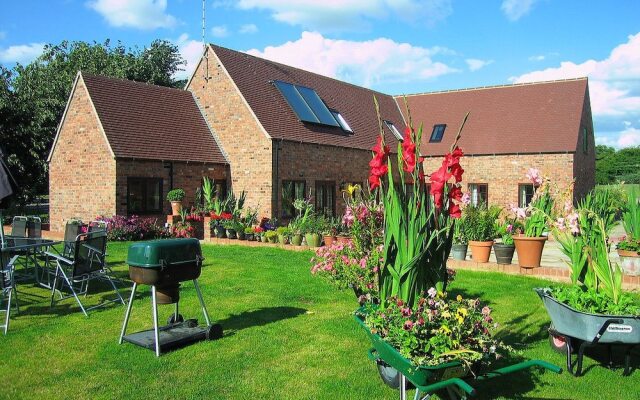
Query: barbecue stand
{"x":164,"y":264}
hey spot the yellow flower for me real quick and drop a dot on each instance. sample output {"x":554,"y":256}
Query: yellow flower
{"x":459,"y":298}
{"x":446,"y":314}
{"x":444,"y":329}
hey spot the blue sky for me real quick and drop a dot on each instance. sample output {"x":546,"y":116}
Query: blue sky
{"x":395,"y":46}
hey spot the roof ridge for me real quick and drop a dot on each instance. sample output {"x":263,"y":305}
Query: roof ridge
{"x":504,"y":86}
{"x":300,"y":69}
{"x":128,"y":81}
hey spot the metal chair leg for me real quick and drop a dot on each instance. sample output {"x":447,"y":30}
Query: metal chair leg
{"x":128,"y":312}
{"x":154,"y":310}
{"x":403,"y":387}
{"x":8,"y":312}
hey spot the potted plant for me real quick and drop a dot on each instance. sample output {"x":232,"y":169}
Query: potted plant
{"x":283,"y":234}
{"x":176,"y":196}
{"x":505,"y":248}
{"x":230,"y":227}
{"x":271,"y":236}
{"x":530,"y":243}
{"x":594,"y":309}
{"x":460,"y":241}
{"x":629,"y":247}
{"x":239,"y":228}
{"x":480,"y":230}
{"x":330,"y":232}
{"x":258,"y":233}
{"x":249,"y":233}
{"x":312,"y":231}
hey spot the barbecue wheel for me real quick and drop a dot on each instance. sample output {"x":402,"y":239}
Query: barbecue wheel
{"x":173,"y":320}
{"x":214,"y":332}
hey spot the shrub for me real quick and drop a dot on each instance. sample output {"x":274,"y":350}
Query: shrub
{"x":130,"y":228}
{"x":175,"y":195}
{"x":480,"y":223}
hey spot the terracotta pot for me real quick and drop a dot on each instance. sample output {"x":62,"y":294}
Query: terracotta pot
{"x":480,"y":251}
{"x":344,"y":239}
{"x":328,"y":240}
{"x":176,"y":207}
{"x":504,"y":252}
{"x":529,"y":250}
{"x":629,"y":262}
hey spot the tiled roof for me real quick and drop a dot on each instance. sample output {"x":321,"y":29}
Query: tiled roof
{"x":253,"y":77}
{"x":152,"y":122}
{"x":523,"y":118}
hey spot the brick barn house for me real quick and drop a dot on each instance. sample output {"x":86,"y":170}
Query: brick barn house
{"x":511,"y":128}
{"x":121,"y":145}
{"x":285,"y":133}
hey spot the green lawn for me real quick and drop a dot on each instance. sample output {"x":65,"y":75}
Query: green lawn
{"x":288,"y":335}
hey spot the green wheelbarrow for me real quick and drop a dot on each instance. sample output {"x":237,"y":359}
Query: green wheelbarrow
{"x":451,"y":377}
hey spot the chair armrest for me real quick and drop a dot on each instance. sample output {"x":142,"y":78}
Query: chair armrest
{"x":93,"y":249}
{"x":59,"y":257}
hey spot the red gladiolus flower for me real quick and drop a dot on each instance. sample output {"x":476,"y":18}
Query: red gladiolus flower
{"x":455,"y":193}
{"x":374,"y":181}
{"x":438,"y":180}
{"x":408,"y":152}
{"x":454,"y":210}
{"x":378,"y":164}
{"x":457,"y":171}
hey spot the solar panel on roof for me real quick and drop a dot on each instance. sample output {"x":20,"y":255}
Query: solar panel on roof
{"x":296,"y":102}
{"x":317,"y":106}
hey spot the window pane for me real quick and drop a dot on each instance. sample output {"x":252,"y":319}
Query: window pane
{"x":437,"y":133}
{"x":136,"y":195}
{"x":291,"y":191}
{"x":393,"y":130}
{"x":153,"y":195}
{"x":525,"y":194}
{"x":317,"y":106}
{"x":296,"y":102}
{"x":343,"y":123}
{"x":478,"y":193}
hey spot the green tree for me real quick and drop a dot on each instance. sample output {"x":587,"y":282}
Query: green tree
{"x":617,"y":166}
{"x":33,"y":97}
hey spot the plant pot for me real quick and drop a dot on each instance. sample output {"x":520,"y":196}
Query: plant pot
{"x":313,"y":239}
{"x":249,"y":236}
{"x":529,"y":250}
{"x":328,"y":240}
{"x":344,"y":239}
{"x":220,"y":232}
{"x":240,"y":235}
{"x":176,"y":207}
{"x":272,"y":239}
{"x":480,"y":251}
{"x":629,"y":262}
{"x":231,"y":233}
{"x":459,"y":251}
{"x":282,"y":239}
{"x":263,"y":239}
{"x":296,"y":240}
{"x":504,"y":252}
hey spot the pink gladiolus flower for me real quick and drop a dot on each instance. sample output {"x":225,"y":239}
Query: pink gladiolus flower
{"x":466,"y":199}
{"x":560,"y":224}
{"x":572,"y":222}
{"x":534,"y":176}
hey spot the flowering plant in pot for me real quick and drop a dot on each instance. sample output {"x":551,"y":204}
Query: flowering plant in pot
{"x":530,"y":243}
{"x":504,"y":248}
{"x":629,"y":247}
{"x":176,"y":196}
{"x":480,"y":230}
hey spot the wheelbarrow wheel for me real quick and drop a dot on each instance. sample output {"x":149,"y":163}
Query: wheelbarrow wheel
{"x":175,"y":320}
{"x":391,"y":377}
{"x":559,"y":342}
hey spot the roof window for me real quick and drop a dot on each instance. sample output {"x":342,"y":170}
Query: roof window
{"x":437,"y":133}
{"x":393,"y":130}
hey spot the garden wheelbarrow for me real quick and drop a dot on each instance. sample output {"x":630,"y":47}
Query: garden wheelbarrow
{"x":451,"y":377}
{"x":572,"y":330}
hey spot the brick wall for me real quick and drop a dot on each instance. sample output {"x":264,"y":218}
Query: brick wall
{"x":81,"y":170}
{"x":248,"y":148}
{"x":311,"y":163}
{"x":584,"y":165}
{"x":187,"y":176}
{"x":503,"y":173}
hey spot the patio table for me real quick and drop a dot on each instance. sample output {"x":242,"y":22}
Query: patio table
{"x":32,"y":249}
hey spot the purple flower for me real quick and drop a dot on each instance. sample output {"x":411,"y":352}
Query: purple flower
{"x":408,"y":325}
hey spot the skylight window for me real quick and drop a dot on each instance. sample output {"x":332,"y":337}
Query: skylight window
{"x":393,"y":130}
{"x":437,"y":133}
{"x":306,"y":103}
{"x":343,"y":123}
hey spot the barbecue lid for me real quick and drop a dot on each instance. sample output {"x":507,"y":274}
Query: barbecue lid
{"x":164,"y":252}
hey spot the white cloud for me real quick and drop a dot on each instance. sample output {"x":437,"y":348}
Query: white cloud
{"x":248,"y":28}
{"x":540,"y":57}
{"x":140,"y":14}
{"x":614,"y":86}
{"x":191,"y":51}
{"x":516,"y":9}
{"x":219,"y":31}
{"x":341,"y":15}
{"x":364,"y":63}
{"x":23,"y":54}
{"x":475,"y":64}
{"x":628,"y":137}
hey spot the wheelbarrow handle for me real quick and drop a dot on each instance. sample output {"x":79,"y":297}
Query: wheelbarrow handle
{"x":520,"y":366}
{"x":434,"y":387}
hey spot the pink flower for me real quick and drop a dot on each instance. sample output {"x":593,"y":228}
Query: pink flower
{"x":572,"y":222}
{"x":486,"y":311}
{"x":509,"y":228}
{"x":560,"y":224}
{"x":534,"y":176}
{"x":363,"y":263}
{"x":348,"y":217}
{"x":406,"y":312}
{"x":432,"y":292}
{"x":466,"y":199}
{"x":408,"y":325}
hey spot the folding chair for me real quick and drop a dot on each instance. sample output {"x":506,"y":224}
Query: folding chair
{"x":34,"y":227}
{"x":72,"y":229}
{"x":19,"y":237}
{"x":7,"y":284}
{"x":19,"y":226}
{"x":88,"y":263}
